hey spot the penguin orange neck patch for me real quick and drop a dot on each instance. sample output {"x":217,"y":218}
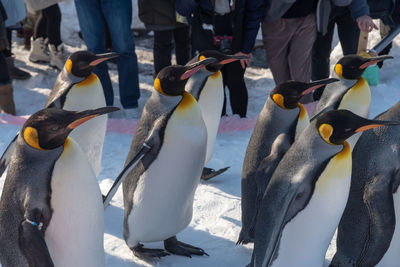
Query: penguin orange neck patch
{"x":345,"y":152}
{"x":278,"y":99}
{"x":302,"y":112}
{"x":186,"y":102}
{"x":216,"y":75}
{"x":91,"y":79}
{"x":31,"y":137}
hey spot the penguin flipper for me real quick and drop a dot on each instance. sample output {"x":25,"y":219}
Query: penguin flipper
{"x":33,"y":246}
{"x":6,"y":157}
{"x":209,"y":173}
{"x":378,"y":199}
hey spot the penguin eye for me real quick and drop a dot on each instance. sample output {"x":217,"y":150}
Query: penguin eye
{"x":171,"y":78}
{"x":54,"y":128}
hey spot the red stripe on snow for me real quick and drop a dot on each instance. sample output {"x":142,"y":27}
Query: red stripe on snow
{"x":124,"y":126}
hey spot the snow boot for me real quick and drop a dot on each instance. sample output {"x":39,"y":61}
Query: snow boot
{"x":7,"y":99}
{"x":57,"y":57}
{"x":15,"y":72}
{"x":38,"y":51}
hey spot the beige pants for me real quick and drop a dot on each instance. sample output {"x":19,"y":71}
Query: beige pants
{"x":288,"y":45}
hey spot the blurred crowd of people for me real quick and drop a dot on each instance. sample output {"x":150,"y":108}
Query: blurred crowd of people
{"x":297,"y":37}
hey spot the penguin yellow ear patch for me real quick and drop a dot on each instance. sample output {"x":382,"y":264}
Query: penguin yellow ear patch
{"x":201,"y":58}
{"x":278,"y":99}
{"x":31,"y":137}
{"x":157,"y":86}
{"x":326,"y":130}
{"x":68,"y":65}
{"x":339,"y":70}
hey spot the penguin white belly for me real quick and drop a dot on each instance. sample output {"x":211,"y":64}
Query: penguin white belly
{"x":211,"y":101}
{"x":391,"y":257}
{"x":76,"y":229}
{"x":357,"y":100}
{"x":305,"y":239}
{"x":90,"y":136}
{"x":163,"y":199}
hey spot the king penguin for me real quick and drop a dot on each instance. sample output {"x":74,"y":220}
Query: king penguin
{"x":279,"y":124}
{"x":51,"y":211}
{"x":207,"y":87}
{"x":159,"y":190}
{"x":352,"y":92}
{"x":78,"y":88}
{"x":307,"y":193}
{"x":369,"y":233}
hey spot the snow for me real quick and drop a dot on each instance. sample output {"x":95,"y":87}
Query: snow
{"x":216,"y":219}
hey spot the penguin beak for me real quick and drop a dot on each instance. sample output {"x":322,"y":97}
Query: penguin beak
{"x":103,"y":57}
{"x":84,"y":116}
{"x":375,"y":123}
{"x":193,"y":68}
{"x":374,"y":60}
{"x":318,"y":84}
{"x":233,"y":58}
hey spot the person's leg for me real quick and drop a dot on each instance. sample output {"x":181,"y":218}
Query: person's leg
{"x":300,"y":48}
{"x":91,"y":21}
{"x":162,"y":50}
{"x":276,"y":37}
{"x":53,"y":22}
{"x":6,"y":89}
{"x":40,"y":29}
{"x":182,"y":44}
{"x":233,"y":75}
{"x":320,"y":57}
{"x":38,"y":51}
{"x":348,"y":32}
{"x":118,"y":15}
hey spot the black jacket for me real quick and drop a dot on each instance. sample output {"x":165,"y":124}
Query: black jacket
{"x":158,"y":14}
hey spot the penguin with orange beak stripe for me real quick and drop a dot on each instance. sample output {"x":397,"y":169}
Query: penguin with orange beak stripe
{"x":51,"y":211}
{"x":159,"y":190}
{"x":208,"y":89}
{"x":307,"y":193}
{"x":78,"y":88}
{"x":353,"y":92}
{"x":279,"y":124}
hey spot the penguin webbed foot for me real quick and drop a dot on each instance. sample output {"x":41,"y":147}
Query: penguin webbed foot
{"x":176,"y":247}
{"x":209,"y":173}
{"x":148,"y":253}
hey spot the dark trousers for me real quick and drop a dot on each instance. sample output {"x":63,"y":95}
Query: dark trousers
{"x":233,"y":77}
{"x":348,"y":32}
{"x":48,"y":25}
{"x":163,"y":46}
{"x":4,"y":76}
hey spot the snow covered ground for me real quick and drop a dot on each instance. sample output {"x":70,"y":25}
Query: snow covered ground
{"x":216,"y":219}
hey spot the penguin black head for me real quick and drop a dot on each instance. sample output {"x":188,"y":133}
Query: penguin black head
{"x":221,"y":59}
{"x":335,"y":126}
{"x":287,"y":94}
{"x":171,"y":80}
{"x":82,"y":63}
{"x":49,"y":128}
{"x":351,"y":67}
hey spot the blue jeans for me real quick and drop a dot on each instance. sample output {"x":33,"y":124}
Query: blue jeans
{"x":92,"y":16}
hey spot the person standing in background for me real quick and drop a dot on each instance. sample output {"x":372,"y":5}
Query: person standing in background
{"x":15,"y":10}
{"x":350,"y":20}
{"x":117,"y":14}
{"x":160,"y":16}
{"x":47,"y":33}
{"x":6,"y":88}
{"x":217,"y":25}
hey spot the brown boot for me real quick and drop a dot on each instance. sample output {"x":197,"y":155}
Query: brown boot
{"x":7,"y":99}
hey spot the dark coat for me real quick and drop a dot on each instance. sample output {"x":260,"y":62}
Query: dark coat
{"x":201,"y":12}
{"x":158,"y":14}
